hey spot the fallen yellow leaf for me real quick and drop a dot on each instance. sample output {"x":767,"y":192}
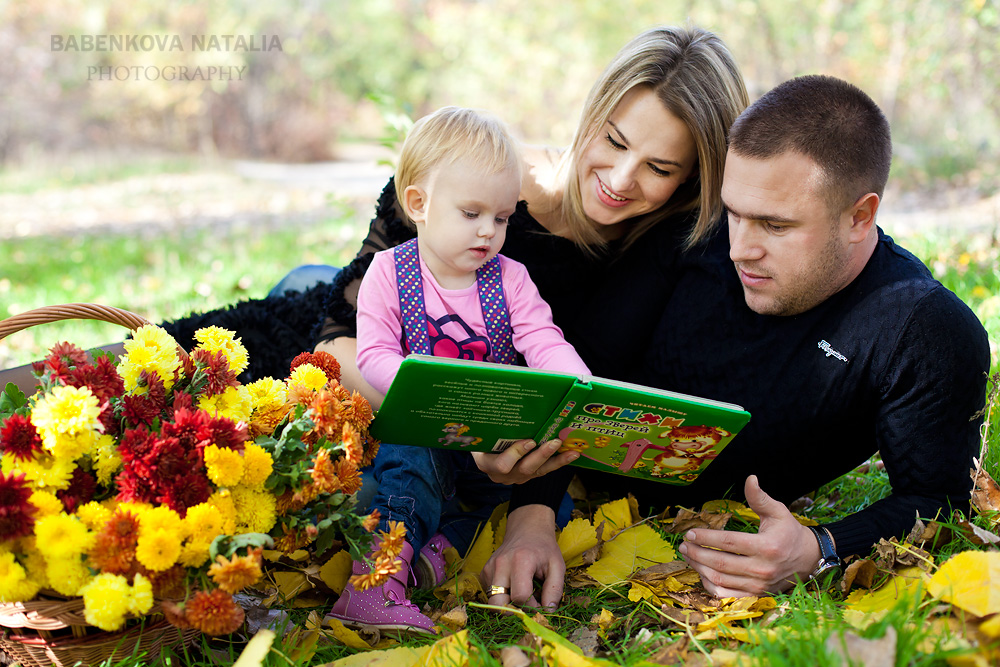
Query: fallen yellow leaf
{"x":256,"y":649}
{"x":336,"y":571}
{"x":616,"y":515}
{"x":290,"y":584}
{"x":480,"y":551}
{"x":636,"y":548}
{"x":969,"y":580}
{"x":578,"y":536}
{"x":862,"y":608}
{"x":451,"y":651}
{"x":351,"y":638}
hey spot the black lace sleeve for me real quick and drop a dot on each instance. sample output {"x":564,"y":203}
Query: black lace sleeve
{"x":388,"y":229}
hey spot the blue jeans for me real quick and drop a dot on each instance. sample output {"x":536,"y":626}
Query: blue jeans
{"x":434,"y":490}
{"x":303,"y":277}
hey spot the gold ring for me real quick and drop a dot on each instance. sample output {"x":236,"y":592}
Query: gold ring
{"x":499,"y":590}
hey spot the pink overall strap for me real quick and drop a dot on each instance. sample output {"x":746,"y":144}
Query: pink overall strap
{"x":414,"y":312}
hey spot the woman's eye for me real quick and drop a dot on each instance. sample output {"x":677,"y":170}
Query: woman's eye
{"x":659,"y":172}
{"x":614,"y":144}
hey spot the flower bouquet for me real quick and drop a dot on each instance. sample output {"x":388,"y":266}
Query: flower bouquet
{"x":137,"y":497}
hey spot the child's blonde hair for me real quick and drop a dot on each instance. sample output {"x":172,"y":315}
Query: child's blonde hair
{"x":450,"y":134}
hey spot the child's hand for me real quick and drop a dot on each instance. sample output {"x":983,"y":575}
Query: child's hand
{"x":523,"y":461}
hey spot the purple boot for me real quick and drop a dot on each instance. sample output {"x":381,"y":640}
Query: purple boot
{"x":430,"y":569}
{"x":385,"y":607}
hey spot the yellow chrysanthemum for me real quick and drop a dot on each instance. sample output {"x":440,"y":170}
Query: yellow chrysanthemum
{"x":255,"y":510}
{"x":34,"y":563}
{"x":67,"y":575}
{"x":45,"y":471}
{"x":106,"y":459}
{"x":15,"y":586}
{"x":106,"y":601}
{"x":267,"y":393}
{"x":46,"y":502}
{"x":257,"y":466}
{"x":307,"y":376}
{"x":222,"y":501}
{"x":234,"y":403}
{"x":61,"y":536}
{"x":150,"y":349}
{"x":203,"y":523}
{"x":67,"y":420}
{"x":224,"y":465}
{"x":194,"y":553}
{"x":157,"y":550}
{"x":161,"y":519}
{"x":215,"y":339}
{"x":94,"y":515}
{"x":140,"y":599}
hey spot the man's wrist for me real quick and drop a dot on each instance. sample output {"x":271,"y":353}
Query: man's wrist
{"x":829,"y":562}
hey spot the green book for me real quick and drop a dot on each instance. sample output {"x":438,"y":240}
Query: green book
{"x":617,"y":427}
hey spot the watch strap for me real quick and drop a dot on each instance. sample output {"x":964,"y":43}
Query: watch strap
{"x":827,"y":552}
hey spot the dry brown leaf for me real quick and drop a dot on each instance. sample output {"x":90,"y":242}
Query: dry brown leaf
{"x":986,"y":493}
{"x":542,"y":620}
{"x":454,"y":619}
{"x":672,"y":617}
{"x":514,"y":656}
{"x":688,"y":520}
{"x":698,"y":599}
{"x":854,"y":650}
{"x":579,"y":601}
{"x":892,"y":554}
{"x":587,"y":639}
{"x":859,"y":574}
{"x":931,"y":535}
{"x":672,"y":654}
{"x":580,"y":579}
{"x":800,"y":504}
{"x":975,"y":534}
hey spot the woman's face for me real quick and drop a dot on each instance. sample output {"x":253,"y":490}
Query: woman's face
{"x":636,"y":161}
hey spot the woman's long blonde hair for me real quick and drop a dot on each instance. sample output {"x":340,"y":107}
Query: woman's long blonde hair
{"x":695,"y":77}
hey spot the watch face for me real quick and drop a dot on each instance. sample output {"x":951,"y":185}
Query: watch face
{"x":826,"y":573}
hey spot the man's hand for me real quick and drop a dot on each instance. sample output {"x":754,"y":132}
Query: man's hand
{"x":735,"y":564}
{"x":523,"y":461}
{"x":529,"y":550}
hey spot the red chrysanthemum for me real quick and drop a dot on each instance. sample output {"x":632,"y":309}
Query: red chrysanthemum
{"x":19,"y":438}
{"x":17,"y":515}
{"x":214,"y":613}
{"x":226,"y":434}
{"x":216,"y":370}
{"x":68,"y":353}
{"x":324,"y":361}
{"x":52,"y":370}
{"x":191,"y":427}
{"x":80,"y":491}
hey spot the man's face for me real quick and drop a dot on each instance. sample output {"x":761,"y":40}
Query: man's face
{"x":791,"y":252}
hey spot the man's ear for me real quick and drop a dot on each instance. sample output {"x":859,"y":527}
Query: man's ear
{"x":863,"y":217}
{"x":415,"y":203}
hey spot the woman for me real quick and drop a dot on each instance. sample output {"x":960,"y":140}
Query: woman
{"x":650,"y":147}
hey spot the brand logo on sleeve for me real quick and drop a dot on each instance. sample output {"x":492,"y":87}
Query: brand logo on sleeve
{"x":830,"y":352}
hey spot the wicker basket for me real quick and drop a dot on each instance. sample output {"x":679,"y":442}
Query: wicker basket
{"x":45,"y":632}
{"x":52,"y":630}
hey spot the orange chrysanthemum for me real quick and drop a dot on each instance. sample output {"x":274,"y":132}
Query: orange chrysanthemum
{"x":168,"y":583}
{"x":264,"y":422}
{"x":371,"y":521}
{"x":391,"y":541}
{"x":383,"y":568}
{"x":327,"y":413}
{"x":291,"y":540}
{"x":238,"y":572}
{"x":359,"y":410}
{"x":342,"y":393}
{"x":298,"y":393}
{"x":114,"y":547}
{"x":324,"y":473}
{"x":214,"y":613}
{"x":349,"y":475}
{"x":371,"y":450}
{"x":354,"y":449}
{"x":174,"y":613}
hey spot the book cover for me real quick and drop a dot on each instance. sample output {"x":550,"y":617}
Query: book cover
{"x":615,"y":426}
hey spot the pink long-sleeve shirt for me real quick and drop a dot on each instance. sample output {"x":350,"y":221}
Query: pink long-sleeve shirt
{"x":455,"y":322}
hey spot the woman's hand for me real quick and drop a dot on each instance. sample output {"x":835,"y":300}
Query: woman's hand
{"x":529,"y":551}
{"x":523,"y":461}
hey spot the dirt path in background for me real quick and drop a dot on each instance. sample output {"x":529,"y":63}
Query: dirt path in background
{"x":276,"y":195}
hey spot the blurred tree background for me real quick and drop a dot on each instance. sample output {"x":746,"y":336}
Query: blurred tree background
{"x":933,"y":66}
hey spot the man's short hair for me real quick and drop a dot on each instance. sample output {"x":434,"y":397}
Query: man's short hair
{"x":828,"y":120}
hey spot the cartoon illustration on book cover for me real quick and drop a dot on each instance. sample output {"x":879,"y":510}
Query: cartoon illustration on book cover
{"x":455,"y":432}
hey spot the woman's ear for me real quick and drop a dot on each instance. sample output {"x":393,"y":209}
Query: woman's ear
{"x":415,"y":203}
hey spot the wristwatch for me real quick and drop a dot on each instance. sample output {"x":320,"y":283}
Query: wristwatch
{"x":829,"y":562}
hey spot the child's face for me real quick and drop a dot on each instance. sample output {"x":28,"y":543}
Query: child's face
{"x":461,"y":215}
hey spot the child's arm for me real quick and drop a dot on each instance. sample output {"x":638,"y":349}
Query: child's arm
{"x":379,"y":323}
{"x":535,"y":335}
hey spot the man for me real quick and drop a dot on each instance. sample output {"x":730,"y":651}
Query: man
{"x":838,"y":342}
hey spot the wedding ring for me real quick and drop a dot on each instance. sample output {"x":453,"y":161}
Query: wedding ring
{"x":499,"y":590}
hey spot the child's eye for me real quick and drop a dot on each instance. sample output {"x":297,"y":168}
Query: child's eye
{"x":471,"y":215}
{"x":614,"y":144}
{"x":501,"y":221}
